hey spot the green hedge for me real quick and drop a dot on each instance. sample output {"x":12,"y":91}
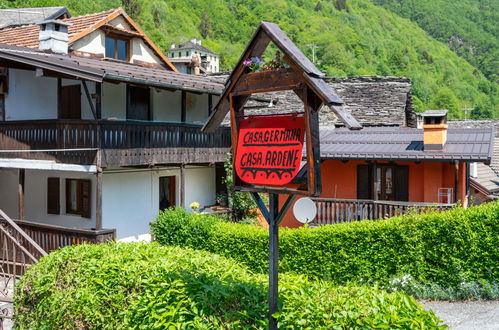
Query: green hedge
{"x":146,"y":286}
{"x":445,"y":248}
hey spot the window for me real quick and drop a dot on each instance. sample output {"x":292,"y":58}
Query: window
{"x":70,"y":102}
{"x":116,"y":48}
{"x":179,"y":54}
{"x":187,"y":53}
{"x":53,"y":196}
{"x":78,"y":197}
{"x":383,"y":182}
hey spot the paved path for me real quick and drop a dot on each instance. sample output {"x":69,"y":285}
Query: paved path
{"x":479,"y":315}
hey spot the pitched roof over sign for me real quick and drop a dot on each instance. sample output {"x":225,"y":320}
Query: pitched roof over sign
{"x":306,"y":71}
{"x":27,"y":36}
{"x":23,"y":16}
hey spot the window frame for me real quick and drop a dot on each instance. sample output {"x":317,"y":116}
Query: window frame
{"x":115,"y":41}
{"x":80,"y":208}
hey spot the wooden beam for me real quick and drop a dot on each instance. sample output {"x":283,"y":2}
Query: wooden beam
{"x":89,"y":98}
{"x":20,"y":194}
{"x":98,"y":200}
{"x":98,"y":100}
{"x":183,"y":114}
{"x":267,"y":81}
{"x":456,"y":181}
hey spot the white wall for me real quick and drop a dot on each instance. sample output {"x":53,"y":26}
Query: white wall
{"x":167,"y":105}
{"x":114,"y":101}
{"x":200,"y":186}
{"x":141,"y":52}
{"x":35,"y":197}
{"x":92,"y":43}
{"x":131,"y":199}
{"x":9,"y":181}
{"x":121,"y":23}
{"x":30,"y":97}
{"x":197,"y":108}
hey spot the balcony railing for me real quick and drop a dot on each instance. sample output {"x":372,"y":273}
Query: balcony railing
{"x":330,"y":210}
{"x":123,"y":142}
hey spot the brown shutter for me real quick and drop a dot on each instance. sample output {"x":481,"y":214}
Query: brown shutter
{"x":401,"y":183}
{"x":53,"y":196}
{"x":363,"y":182}
{"x":139,"y":99}
{"x":172,"y":190}
{"x":85,"y":189}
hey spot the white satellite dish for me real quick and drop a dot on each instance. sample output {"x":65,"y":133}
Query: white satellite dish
{"x":305,"y":210}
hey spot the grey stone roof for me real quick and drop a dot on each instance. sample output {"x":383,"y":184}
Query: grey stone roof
{"x":372,"y":100}
{"x":23,"y":16}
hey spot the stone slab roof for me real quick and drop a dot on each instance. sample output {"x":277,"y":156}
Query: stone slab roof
{"x":372,"y":100}
{"x":23,"y":16}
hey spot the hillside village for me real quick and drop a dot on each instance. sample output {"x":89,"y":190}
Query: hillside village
{"x":101,"y":131}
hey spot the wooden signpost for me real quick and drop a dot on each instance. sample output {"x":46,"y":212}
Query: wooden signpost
{"x":268,"y":149}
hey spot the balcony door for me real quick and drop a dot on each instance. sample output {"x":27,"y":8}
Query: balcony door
{"x":138,"y":103}
{"x":167,"y":192}
{"x":383,"y":182}
{"x":70,"y":102}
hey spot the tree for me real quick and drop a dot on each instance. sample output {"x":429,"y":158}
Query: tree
{"x":132,"y":7}
{"x":318,"y":6}
{"x":205,"y":25}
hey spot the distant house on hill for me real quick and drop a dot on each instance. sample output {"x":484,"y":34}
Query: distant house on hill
{"x":193,"y":58}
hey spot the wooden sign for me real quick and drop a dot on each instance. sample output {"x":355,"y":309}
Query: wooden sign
{"x":269,"y":149}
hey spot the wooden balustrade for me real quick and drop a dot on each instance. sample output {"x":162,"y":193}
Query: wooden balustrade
{"x":51,"y":237}
{"x":124,"y":142}
{"x":330,"y":211}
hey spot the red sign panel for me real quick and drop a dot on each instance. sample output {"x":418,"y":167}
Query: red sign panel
{"x":269,"y":149}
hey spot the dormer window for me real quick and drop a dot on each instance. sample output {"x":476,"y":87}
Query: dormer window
{"x":117,"y":48}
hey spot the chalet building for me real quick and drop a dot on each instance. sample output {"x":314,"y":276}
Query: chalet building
{"x":193,"y":58}
{"x":98,"y":130}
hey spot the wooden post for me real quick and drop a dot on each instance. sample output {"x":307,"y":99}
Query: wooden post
{"x":273,"y":259}
{"x":20,"y":193}
{"x":98,"y":100}
{"x":59,"y":95}
{"x":456,"y":181}
{"x":182,"y":185}
{"x":210,"y":103}
{"x":98,"y":200}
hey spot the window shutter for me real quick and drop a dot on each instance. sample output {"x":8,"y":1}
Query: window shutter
{"x":53,"y":196}
{"x":363,"y":182}
{"x":401,"y":183}
{"x":85,"y":188}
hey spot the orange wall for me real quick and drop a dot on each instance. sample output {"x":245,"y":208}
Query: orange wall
{"x":339,"y":180}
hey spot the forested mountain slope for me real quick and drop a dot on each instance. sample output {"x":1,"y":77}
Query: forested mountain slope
{"x":350,"y":37}
{"x":468,"y":27}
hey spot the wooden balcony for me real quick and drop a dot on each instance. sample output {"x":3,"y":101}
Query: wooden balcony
{"x":331,"y":211}
{"x":112,"y":142}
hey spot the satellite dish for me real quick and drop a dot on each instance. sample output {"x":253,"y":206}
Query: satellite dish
{"x":305,"y":210}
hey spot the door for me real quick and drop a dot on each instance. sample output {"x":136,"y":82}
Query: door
{"x":70,"y":102}
{"x":167,"y":192}
{"x":138,"y":105}
{"x":384,"y":183}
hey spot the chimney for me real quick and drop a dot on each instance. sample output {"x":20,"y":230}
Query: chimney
{"x":435,"y":129}
{"x":53,"y":36}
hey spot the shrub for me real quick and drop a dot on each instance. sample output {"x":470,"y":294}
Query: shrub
{"x":444,"y":248}
{"x":138,"y":285}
